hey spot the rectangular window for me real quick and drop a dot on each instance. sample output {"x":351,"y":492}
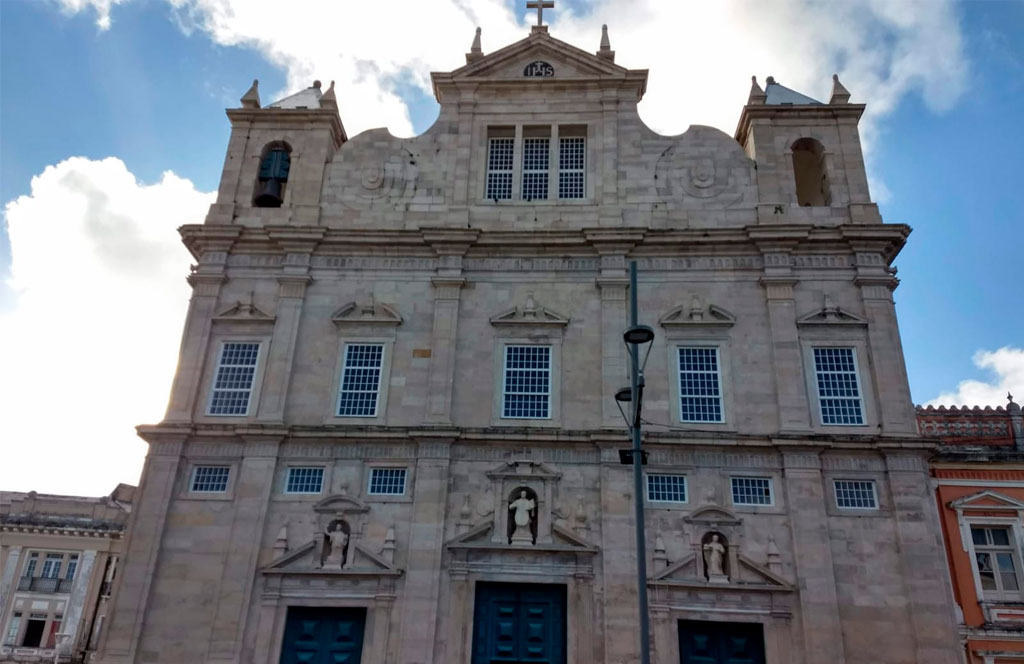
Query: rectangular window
{"x":666,"y":488}
{"x":72,"y":567}
{"x":499,"y":168}
{"x":387,"y":482}
{"x":536,"y":155}
{"x":232,"y":386}
{"x":700,"y":392}
{"x":12,"y":630}
{"x":51,"y":565}
{"x":572,"y":153}
{"x":751,"y":491}
{"x":210,"y":479}
{"x":360,"y":380}
{"x":30,"y":567}
{"x":856,"y":494}
{"x":835,"y":371}
{"x":995,"y":560}
{"x":527,"y":382}
{"x":304,"y":480}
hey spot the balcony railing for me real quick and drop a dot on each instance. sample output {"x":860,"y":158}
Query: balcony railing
{"x":42,"y":584}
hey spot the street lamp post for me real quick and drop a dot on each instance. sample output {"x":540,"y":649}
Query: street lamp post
{"x":636,"y":336}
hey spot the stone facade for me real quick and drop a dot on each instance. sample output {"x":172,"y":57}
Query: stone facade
{"x":979,"y":478}
{"x":58,"y":558}
{"x":434,"y":261}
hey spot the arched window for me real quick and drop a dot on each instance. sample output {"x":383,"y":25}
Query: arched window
{"x":809,"y":172}
{"x":273,"y":175}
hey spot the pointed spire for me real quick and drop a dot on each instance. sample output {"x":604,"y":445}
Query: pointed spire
{"x":475,"y":51}
{"x":757,"y":95}
{"x":606,"y":45}
{"x":840,"y":95}
{"x":251,"y":99}
{"x":328,"y":100}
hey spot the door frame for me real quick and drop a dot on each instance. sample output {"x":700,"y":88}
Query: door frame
{"x":776,"y":626}
{"x":362,"y":643}
{"x":518,"y":586}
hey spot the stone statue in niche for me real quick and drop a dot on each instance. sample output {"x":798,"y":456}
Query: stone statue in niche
{"x":714,"y":559}
{"x":522,"y":518}
{"x":335,"y":551}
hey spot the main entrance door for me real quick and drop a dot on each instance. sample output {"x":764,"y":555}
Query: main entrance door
{"x":702,"y":642}
{"x":519,"y":622}
{"x":323,"y":635}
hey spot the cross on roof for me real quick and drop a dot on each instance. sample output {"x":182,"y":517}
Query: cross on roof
{"x":540,"y":6}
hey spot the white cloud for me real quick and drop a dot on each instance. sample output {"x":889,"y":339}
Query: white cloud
{"x":101,"y":7}
{"x":90,"y":346}
{"x":1007,"y":365}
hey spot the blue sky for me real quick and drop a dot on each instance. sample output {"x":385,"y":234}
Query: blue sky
{"x":944,"y":84}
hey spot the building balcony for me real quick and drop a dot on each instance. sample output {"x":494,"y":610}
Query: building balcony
{"x":41,"y":584}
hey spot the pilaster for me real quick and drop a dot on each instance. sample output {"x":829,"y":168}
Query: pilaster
{"x":75,"y":607}
{"x":790,"y":386}
{"x":7,"y":579}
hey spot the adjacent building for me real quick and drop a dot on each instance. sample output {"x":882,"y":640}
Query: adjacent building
{"x":392,"y":435}
{"x":979,"y":478}
{"x":58,"y":557}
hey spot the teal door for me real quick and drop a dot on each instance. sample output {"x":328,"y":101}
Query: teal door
{"x":323,"y":635}
{"x":702,"y":642}
{"x":519,"y":623}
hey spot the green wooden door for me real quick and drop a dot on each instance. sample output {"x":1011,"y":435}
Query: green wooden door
{"x":323,"y":635}
{"x":515,"y":623}
{"x":702,"y":642}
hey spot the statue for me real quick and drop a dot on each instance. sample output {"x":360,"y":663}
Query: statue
{"x":522,"y":509}
{"x":336,"y":546}
{"x":714,"y":555}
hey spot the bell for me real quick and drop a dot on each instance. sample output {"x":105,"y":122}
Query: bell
{"x":269,"y":193}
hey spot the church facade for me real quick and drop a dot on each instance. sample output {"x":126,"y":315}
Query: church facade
{"x":392,"y":435}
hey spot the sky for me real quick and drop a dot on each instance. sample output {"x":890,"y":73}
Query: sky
{"x":113,"y":134}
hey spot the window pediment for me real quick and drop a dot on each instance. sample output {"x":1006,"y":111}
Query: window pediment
{"x":987,"y":500}
{"x":372,"y":313}
{"x":829,"y":314}
{"x":530,"y":313}
{"x":244,"y":312}
{"x":697,"y":314}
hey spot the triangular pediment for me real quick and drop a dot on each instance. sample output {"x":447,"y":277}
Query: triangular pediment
{"x":987,"y":500}
{"x":829,"y":314}
{"x":563,"y":540}
{"x":749,"y":576}
{"x":303,"y":560}
{"x":246,"y":312}
{"x":530,"y":313}
{"x":371,"y":313}
{"x":566,"y":60}
{"x":524,"y":469}
{"x":340,"y":504}
{"x":713,"y":515}
{"x":697,"y":314}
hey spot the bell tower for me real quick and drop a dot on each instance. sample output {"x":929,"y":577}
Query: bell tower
{"x":276,"y":158}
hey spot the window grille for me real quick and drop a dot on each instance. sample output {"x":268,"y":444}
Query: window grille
{"x":527,"y":382}
{"x":51,"y":565}
{"x":666,"y":488}
{"x":387,"y":481}
{"x":838,"y":389}
{"x":360,"y":380}
{"x":304,"y":480}
{"x":232,"y":386}
{"x":210,"y":479}
{"x":499,"y":168}
{"x":572,"y":167}
{"x":700,"y":394}
{"x":994,"y":558}
{"x":536,"y":157}
{"x":856,"y":494}
{"x":751,"y":491}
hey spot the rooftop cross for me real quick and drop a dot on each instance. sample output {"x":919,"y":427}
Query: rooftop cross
{"x":540,"y":6}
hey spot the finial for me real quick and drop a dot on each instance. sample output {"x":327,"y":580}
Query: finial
{"x":328,"y":100}
{"x":606,"y":45}
{"x":840,"y":95}
{"x":475,"y":51}
{"x":251,"y":98}
{"x":316,"y":84}
{"x":771,"y":80}
{"x":757,"y":95}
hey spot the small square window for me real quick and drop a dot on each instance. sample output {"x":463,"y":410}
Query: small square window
{"x":666,"y":488}
{"x":387,"y":481}
{"x":751,"y":491}
{"x":839,"y":395}
{"x":527,"y":382}
{"x":210,"y":479}
{"x":856,"y":494}
{"x":232,"y":386}
{"x":304,"y":480}
{"x":360,"y":380}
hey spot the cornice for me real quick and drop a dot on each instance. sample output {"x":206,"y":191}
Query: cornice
{"x":802,"y":112}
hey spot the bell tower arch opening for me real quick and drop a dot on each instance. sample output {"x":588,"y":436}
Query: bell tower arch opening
{"x":810,"y":173}
{"x":272,"y":178}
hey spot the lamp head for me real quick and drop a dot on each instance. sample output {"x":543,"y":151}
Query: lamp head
{"x":638,"y":334}
{"x":624,"y":395}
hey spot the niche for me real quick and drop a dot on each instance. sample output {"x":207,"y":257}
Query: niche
{"x":522,"y":516}
{"x":812,"y":188}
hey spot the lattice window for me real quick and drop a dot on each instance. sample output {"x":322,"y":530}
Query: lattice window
{"x":72,"y":567}
{"x":536,"y":156}
{"x":51,"y":565}
{"x":666,"y":488}
{"x":527,"y":382}
{"x":210,"y":479}
{"x":700,"y":392}
{"x":995,"y":557}
{"x":839,"y":395}
{"x":387,"y":482}
{"x":360,"y":380}
{"x":30,"y":566}
{"x":751,"y":491}
{"x":232,"y":386}
{"x":304,"y":480}
{"x":499,"y":168}
{"x":856,"y":494}
{"x":572,"y":159}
